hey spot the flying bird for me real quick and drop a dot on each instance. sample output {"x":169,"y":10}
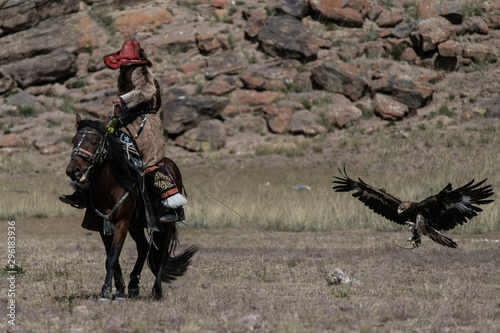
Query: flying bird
{"x":440,"y":212}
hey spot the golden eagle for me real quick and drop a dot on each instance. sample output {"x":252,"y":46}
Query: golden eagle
{"x":440,"y":212}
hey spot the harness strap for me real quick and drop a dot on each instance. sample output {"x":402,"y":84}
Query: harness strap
{"x":108,"y":228}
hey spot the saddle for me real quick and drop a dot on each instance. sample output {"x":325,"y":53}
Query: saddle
{"x":155,"y":183}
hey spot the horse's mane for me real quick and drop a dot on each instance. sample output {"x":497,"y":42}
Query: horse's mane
{"x":119,"y":164}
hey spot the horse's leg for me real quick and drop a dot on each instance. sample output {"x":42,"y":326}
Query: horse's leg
{"x":113,"y":244}
{"x":162,"y":240}
{"x":142,"y":253}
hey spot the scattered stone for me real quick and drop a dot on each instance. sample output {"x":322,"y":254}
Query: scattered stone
{"x":336,"y":276}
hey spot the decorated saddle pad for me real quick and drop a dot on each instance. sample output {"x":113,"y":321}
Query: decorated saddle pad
{"x":162,"y":181}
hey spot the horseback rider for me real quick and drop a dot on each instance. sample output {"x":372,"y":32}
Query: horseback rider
{"x":135,"y":115}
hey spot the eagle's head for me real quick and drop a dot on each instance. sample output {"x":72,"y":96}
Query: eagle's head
{"x":404,"y":206}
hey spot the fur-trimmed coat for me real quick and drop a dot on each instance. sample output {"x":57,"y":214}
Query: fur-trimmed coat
{"x":139,"y":91}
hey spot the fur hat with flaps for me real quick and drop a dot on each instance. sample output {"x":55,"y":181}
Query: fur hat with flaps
{"x":130,"y":54}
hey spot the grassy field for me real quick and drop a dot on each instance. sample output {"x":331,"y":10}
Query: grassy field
{"x":242,"y":280}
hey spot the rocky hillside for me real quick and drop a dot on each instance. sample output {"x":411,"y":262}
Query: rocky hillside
{"x":285,"y":67}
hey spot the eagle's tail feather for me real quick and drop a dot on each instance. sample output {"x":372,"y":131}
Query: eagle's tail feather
{"x":441,"y":239}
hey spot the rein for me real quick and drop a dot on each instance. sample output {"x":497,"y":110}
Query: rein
{"x":96,"y":158}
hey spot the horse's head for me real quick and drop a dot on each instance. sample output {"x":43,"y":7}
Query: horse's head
{"x":88,"y":148}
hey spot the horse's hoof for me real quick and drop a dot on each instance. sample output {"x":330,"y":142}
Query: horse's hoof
{"x":104,"y":300}
{"x":119,"y":299}
{"x":133,"y":293}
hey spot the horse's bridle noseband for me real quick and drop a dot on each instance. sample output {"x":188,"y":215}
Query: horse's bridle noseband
{"x":96,"y":157}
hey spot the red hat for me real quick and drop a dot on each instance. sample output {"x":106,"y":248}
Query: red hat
{"x":128,"y":55}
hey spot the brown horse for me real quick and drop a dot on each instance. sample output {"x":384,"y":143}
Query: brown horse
{"x":99,"y":163}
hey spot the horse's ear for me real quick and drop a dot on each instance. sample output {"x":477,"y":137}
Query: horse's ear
{"x":78,"y":118}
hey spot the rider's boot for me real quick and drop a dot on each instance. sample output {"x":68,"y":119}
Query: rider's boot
{"x":78,"y":199}
{"x":175,"y":211}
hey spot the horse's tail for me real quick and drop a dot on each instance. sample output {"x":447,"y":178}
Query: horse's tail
{"x":176,"y":266}
{"x":161,"y":256}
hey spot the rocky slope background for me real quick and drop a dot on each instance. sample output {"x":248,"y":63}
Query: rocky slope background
{"x":273,"y":68}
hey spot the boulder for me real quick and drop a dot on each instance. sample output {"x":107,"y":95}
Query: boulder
{"x":256,"y":20}
{"x":7,"y":83}
{"x":209,"y":135}
{"x":388,"y":19}
{"x":253,"y":98}
{"x":21,"y":15}
{"x":343,"y":116}
{"x":222,"y":84}
{"x":404,"y":89}
{"x":207,"y":43}
{"x":287,"y":37}
{"x":304,"y":122}
{"x":480,"y":52}
{"x":278,"y":117}
{"x":225,"y":62}
{"x":58,"y":65}
{"x":296,"y":8}
{"x":182,"y":114}
{"x":429,"y":33}
{"x":272,"y":74}
{"x":334,"y":11}
{"x":387,"y":108}
{"x":340,"y":77}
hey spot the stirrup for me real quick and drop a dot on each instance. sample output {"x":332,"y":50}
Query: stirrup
{"x":173,"y":215}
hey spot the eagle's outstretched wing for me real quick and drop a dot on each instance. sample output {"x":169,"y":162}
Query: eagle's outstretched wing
{"x":449,"y":208}
{"x":377,"y":200}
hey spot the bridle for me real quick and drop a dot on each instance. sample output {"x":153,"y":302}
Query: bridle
{"x":93,"y":158}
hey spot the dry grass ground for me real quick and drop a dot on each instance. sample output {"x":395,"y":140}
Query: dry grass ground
{"x":242,"y":280}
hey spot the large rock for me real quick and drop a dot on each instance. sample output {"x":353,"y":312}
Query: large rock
{"x":227,"y":62}
{"x":404,"y":89}
{"x":80,"y":33}
{"x":304,"y":122}
{"x":222,"y":84}
{"x":21,"y":15}
{"x":334,"y":11}
{"x":209,"y":135}
{"x":340,"y":77}
{"x":256,"y":20}
{"x":272,"y":74}
{"x":429,"y":33}
{"x":182,"y":114}
{"x":295,"y":8}
{"x":287,"y":37}
{"x":56,"y":66}
{"x":343,"y":116}
{"x":387,"y":108}
{"x":278,"y":116}
{"x":480,"y":52}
